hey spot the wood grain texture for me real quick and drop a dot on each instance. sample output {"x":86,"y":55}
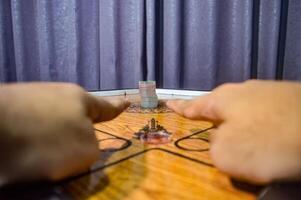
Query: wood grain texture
{"x":181,"y":169}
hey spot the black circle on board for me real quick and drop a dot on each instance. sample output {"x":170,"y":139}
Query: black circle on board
{"x":181,"y":146}
{"x":125,"y":144}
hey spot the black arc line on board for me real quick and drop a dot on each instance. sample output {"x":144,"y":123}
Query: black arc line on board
{"x":189,"y":137}
{"x":127,"y":143}
{"x":139,"y":153}
{"x":132,"y":156}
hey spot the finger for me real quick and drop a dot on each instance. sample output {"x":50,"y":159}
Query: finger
{"x":229,"y":145}
{"x":99,"y":109}
{"x":178,"y":105}
{"x":204,"y":107}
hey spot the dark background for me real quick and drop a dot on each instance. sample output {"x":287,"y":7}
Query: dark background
{"x":110,"y":44}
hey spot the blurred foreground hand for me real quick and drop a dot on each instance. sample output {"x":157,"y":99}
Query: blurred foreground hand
{"x":46,"y":130}
{"x":258,"y":134}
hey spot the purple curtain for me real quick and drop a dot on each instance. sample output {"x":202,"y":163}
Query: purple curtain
{"x":109,"y":44}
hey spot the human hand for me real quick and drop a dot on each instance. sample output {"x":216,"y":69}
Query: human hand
{"x":46,"y":130}
{"x":258,"y":134}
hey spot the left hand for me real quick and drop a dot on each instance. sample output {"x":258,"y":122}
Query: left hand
{"x":46,"y":130}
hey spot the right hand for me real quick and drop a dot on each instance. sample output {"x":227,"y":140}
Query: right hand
{"x":258,"y":134}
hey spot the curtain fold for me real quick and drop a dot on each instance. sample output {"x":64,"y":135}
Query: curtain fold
{"x":292,"y":58}
{"x":112,"y":44}
{"x":269,"y":18}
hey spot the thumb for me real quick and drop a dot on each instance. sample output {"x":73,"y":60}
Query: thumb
{"x":99,"y":109}
{"x":203,"y":107}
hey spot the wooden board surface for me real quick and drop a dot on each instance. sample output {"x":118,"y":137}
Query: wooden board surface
{"x":129,"y":169}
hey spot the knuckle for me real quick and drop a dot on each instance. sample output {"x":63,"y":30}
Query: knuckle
{"x":75,"y":91}
{"x":261,"y":178}
{"x":259,"y":175}
{"x":189,"y":112}
{"x":226,"y":87}
{"x":227,"y":163}
{"x":74,"y":87}
{"x":255,"y":83}
{"x":251,"y":81}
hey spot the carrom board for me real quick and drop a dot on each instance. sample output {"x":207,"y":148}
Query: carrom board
{"x":132,"y":170}
{"x":129,"y":169}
